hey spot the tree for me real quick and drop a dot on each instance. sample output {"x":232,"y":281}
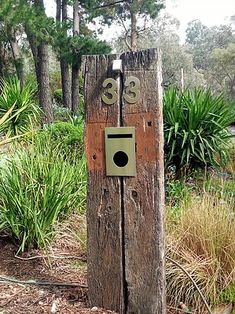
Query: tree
{"x":10,"y":34}
{"x":133,"y":15}
{"x":41,"y":31}
{"x":16,"y":52}
{"x":212,"y":49}
{"x":74,"y":39}
{"x":62,"y":21}
{"x":202,"y":40}
{"x":222,"y":69}
{"x":39,"y":45}
{"x":75,"y":64}
{"x":29,"y":16}
{"x":175,"y":57}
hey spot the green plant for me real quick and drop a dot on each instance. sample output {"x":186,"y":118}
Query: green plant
{"x":178,"y":194}
{"x":24,"y":110}
{"x":220,"y":184}
{"x":195,"y":127}
{"x":61,"y":113}
{"x":67,"y":137}
{"x":4,"y":120}
{"x":38,"y":188}
{"x":228,"y":294}
{"x":58,"y":96}
{"x":76,"y":120}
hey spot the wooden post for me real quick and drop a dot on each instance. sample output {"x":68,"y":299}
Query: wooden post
{"x":126,"y":268}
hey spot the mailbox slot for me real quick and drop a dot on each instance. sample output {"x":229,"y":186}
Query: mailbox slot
{"x":120,"y":151}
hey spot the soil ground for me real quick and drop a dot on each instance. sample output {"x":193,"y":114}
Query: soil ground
{"x":66,"y":263}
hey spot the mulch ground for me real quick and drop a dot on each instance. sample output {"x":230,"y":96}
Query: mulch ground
{"x":66,"y":263}
{"x":19,"y":298}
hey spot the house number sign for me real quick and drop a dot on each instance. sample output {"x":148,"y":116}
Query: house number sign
{"x":131,"y":94}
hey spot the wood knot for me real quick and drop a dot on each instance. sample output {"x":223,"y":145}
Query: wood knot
{"x":134,"y":194}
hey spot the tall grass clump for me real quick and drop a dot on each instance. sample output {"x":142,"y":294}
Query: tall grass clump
{"x":202,"y":242}
{"x":21,"y":102}
{"x":195,"y":128}
{"x":38,"y":188}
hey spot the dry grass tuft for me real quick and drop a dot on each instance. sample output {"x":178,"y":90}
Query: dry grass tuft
{"x":203,"y":243}
{"x":71,"y":236}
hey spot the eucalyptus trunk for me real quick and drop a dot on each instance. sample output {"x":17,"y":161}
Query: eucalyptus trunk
{"x":1,"y":60}
{"x":44,"y":83}
{"x":41,"y":60}
{"x":133,"y":31}
{"x":76,"y":65}
{"x":58,"y":10}
{"x":34,"y":49}
{"x":18,"y":60}
{"x":64,"y":66}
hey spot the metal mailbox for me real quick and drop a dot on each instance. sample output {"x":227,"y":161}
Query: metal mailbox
{"x":120,"y":151}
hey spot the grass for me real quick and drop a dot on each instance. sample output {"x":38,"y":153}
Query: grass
{"x":202,"y":241}
{"x":37,"y":189}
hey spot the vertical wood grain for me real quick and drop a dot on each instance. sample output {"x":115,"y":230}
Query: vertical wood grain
{"x":144,"y":194}
{"x":126,"y":269}
{"x":105,"y":272}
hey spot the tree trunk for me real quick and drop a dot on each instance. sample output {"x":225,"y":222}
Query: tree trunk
{"x":76,"y":66}
{"x":58,"y":11}
{"x":1,"y":60}
{"x":133,"y":31}
{"x":34,"y":49}
{"x":64,"y":66}
{"x":232,"y":88}
{"x":41,"y":61}
{"x":44,"y":83}
{"x":182,"y":79}
{"x":18,"y":60}
{"x":66,"y":84}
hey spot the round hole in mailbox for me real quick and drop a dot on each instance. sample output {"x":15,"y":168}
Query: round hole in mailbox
{"x":120,"y":159}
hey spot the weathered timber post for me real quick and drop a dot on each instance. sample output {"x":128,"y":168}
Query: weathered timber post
{"x":125,"y":205}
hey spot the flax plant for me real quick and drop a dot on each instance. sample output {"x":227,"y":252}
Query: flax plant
{"x":18,"y":103}
{"x":195,"y":127}
{"x":38,"y":188}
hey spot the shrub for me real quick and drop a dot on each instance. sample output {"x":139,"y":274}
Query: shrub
{"x":24,"y":110}
{"x":38,"y":188}
{"x":195,"y":127}
{"x":67,"y":137}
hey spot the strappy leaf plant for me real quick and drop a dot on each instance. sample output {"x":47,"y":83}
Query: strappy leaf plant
{"x":18,"y":104}
{"x":195,"y":128}
{"x":5,"y":119}
{"x":37,"y":189}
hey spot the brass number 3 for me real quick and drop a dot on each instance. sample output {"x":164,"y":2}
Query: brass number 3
{"x":132,"y":92}
{"x":110,"y":91}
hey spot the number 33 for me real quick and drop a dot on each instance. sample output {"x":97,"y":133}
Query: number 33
{"x":131,"y":95}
